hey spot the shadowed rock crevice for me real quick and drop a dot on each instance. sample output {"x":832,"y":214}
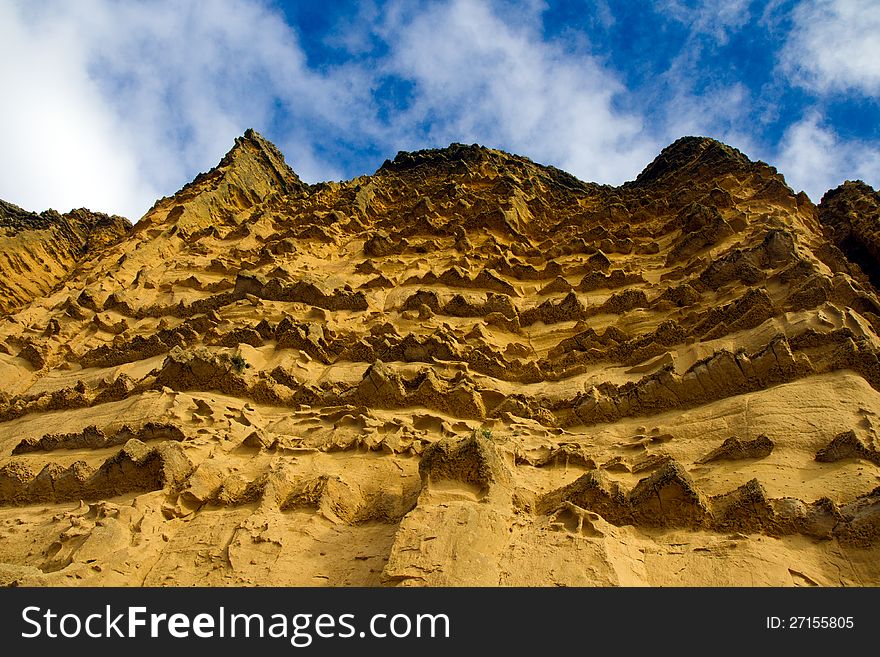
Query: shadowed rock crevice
{"x":135,"y":468}
{"x":670,"y":499}
{"x":850,"y":215}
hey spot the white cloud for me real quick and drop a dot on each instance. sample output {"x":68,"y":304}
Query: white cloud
{"x":478,"y":77}
{"x":120,"y":103}
{"x":814,"y":158}
{"x":62,"y":147}
{"x":835,"y":46}
{"x":715,"y":112}
{"x":717,"y":20}
{"x":692,"y":97}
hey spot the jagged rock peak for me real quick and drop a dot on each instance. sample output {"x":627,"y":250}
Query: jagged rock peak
{"x":250,"y":172}
{"x":250,"y":150}
{"x":453,"y":153}
{"x":14,"y":219}
{"x":690,"y":156}
{"x":458,"y":158}
{"x":851,"y":192}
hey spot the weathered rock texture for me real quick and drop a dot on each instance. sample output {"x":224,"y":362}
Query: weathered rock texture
{"x":464,"y":369}
{"x":39,"y":251}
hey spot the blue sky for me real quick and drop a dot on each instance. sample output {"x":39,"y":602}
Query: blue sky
{"x":110,"y":105}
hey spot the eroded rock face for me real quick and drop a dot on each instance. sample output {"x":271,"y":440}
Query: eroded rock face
{"x":850,"y":215}
{"x":39,"y":251}
{"x":464,"y":369}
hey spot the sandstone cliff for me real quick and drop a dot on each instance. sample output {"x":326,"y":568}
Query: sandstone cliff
{"x":38,"y":251}
{"x":464,"y":369}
